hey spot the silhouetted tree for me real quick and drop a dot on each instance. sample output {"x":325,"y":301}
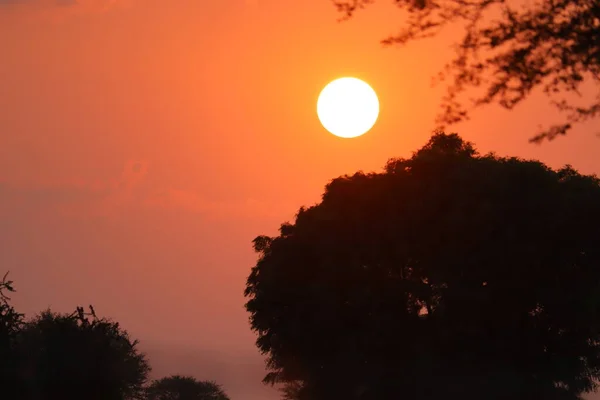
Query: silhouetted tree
{"x":79,"y":356}
{"x":449,"y":275}
{"x":510,"y":48}
{"x":10,"y":320}
{"x":10,"y":323}
{"x":177,"y":387}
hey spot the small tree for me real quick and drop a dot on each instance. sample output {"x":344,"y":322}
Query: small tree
{"x":510,"y":48}
{"x":10,"y":324}
{"x":80,"y":356}
{"x":10,"y":320}
{"x":448,"y":275}
{"x":177,"y":387}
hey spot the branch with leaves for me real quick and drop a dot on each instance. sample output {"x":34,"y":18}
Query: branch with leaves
{"x":5,"y":286}
{"x":509,"y":48}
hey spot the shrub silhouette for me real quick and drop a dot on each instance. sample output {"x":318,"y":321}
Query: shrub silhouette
{"x":79,"y":356}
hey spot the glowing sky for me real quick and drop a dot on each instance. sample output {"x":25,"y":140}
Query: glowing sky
{"x":143,"y":144}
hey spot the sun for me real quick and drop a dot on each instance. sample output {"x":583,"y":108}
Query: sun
{"x":348,"y":107}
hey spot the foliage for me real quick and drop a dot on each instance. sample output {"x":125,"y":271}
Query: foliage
{"x":10,"y":320}
{"x":177,"y":387}
{"x":449,"y":275}
{"x":510,"y":47}
{"x":10,"y":323}
{"x":79,"y":356}
{"x":293,"y":390}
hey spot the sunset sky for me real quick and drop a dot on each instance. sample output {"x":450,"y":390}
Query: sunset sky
{"x":145,"y":143}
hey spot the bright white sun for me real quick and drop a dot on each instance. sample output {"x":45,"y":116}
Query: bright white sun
{"x":348,"y":107}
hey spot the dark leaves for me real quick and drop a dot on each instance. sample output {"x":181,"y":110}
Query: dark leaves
{"x":178,"y":387}
{"x":76,"y":355}
{"x":448,"y":274}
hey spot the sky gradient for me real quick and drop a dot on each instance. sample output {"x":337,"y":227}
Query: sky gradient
{"x":145,"y":143}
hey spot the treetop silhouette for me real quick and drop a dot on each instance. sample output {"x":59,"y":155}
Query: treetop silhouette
{"x":179,"y":387}
{"x":449,"y":274}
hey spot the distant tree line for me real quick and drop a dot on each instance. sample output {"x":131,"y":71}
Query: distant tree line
{"x":81,"y":356}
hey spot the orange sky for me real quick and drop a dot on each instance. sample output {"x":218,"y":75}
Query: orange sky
{"x":144,"y":143}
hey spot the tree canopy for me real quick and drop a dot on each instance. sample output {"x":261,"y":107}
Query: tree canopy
{"x":79,"y":356}
{"x":510,"y":48}
{"x":450,"y":274}
{"x":178,"y":387}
